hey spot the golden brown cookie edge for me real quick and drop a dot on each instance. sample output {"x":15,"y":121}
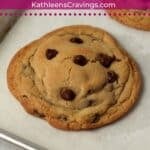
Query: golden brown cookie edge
{"x":31,"y":104}
{"x":121,"y":19}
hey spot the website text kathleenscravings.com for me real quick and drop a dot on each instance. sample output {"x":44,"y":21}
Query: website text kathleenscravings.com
{"x":71,"y":5}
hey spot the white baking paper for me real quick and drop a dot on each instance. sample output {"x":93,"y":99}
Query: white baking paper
{"x":129,"y":133}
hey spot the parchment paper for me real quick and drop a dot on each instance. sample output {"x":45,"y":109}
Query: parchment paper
{"x":130,"y":133}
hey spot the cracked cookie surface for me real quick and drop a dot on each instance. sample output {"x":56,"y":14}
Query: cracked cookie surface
{"x":75,"y":77}
{"x":138,"y":19}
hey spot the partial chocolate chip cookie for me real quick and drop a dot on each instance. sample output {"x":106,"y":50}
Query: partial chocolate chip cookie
{"x":75,"y":77}
{"x":139,"y":19}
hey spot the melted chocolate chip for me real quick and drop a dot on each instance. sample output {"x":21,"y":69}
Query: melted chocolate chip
{"x":95,"y":118}
{"x":105,"y":60}
{"x":112,"y":76}
{"x":67,"y":94}
{"x":76,"y":40}
{"x":80,"y":60}
{"x":51,"y":53}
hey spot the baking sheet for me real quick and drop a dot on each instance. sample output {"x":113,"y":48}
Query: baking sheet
{"x":6,"y":22}
{"x":131,"y":132}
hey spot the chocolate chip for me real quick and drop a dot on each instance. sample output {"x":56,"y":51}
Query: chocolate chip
{"x":24,"y":96}
{"x":90,"y":91}
{"x":51,"y":53}
{"x":62,"y":117}
{"x":112,"y":76}
{"x":76,"y":40}
{"x":105,"y":60}
{"x":38,"y":114}
{"x":67,"y":94}
{"x":95,"y":118}
{"x":80,"y":60}
{"x":91,"y":102}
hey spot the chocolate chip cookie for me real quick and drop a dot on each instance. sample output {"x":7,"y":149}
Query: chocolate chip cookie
{"x":76,"y":77}
{"x":138,"y":19}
